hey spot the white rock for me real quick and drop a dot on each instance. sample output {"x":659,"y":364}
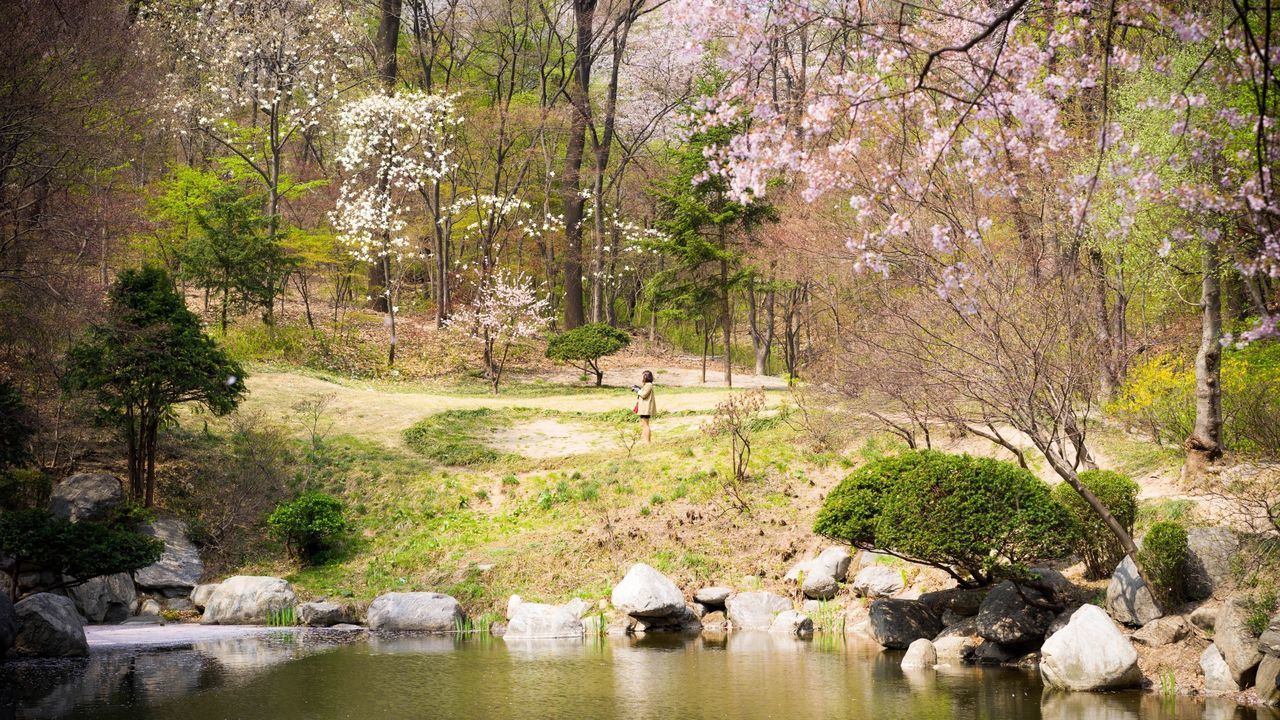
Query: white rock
{"x":877,"y":581}
{"x":513,"y":604}
{"x":536,"y":621}
{"x":920,"y":654}
{"x":792,"y":622}
{"x":954,"y":649}
{"x":754,"y":610}
{"x":645,"y":592}
{"x":1217,"y":675}
{"x":1090,"y":653}
{"x":418,"y":611}
{"x":248,"y":600}
{"x":714,"y":595}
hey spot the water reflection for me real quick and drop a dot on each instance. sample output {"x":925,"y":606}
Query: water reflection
{"x":742,"y":675}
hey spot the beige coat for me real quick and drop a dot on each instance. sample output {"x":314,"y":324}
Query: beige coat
{"x":648,"y":400}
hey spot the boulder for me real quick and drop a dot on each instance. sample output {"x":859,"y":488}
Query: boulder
{"x":424,"y":611}
{"x":877,"y":581}
{"x":993,"y":653}
{"x":715,"y":620}
{"x":967,"y":627}
{"x":150,"y":606}
{"x":533,"y":621}
{"x":1236,"y":642}
{"x":832,"y":562}
{"x":1129,"y":600}
{"x":920,"y":654}
{"x":106,"y":598}
{"x":1217,"y":675}
{"x":178,"y":604}
{"x":201,"y":593}
{"x":1162,"y":631}
{"x":954,"y":650}
{"x":819,"y":587}
{"x":178,"y":570}
{"x":8,"y":624}
{"x":964,"y":602}
{"x":248,"y":600}
{"x":754,"y":610}
{"x":713,"y":596}
{"x":87,"y":496}
{"x":577,"y":606}
{"x":324,"y":613}
{"x":1090,"y":653}
{"x":1208,"y":564}
{"x":1052,"y":579}
{"x":513,"y":604}
{"x":681,"y":622}
{"x":1269,"y":642}
{"x":792,"y":622}
{"x":49,"y":626}
{"x":645,"y":592}
{"x":1009,"y":618}
{"x":1268,"y":681}
{"x":898,"y":623}
{"x":1205,"y":616}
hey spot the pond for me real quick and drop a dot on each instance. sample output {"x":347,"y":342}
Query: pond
{"x":316,"y":674}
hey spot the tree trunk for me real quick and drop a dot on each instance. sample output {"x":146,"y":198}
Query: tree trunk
{"x":761,"y":337}
{"x":584,"y":17}
{"x":726,"y":316}
{"x":1204,"y":445}
{"x":387,"y":42}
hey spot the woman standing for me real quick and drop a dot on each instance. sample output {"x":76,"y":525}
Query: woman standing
{"x":646,"y":404}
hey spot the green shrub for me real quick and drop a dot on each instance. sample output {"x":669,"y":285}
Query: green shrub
{"x":1162,"y":556}
{"x":74,"y":552}
{"x":583,"y":347}
{"x":975,"y":518}
{"x":24,"y":489}
{"x":1094,"y":541}
{"x":308,"y":524}
{"x":16,"y":427}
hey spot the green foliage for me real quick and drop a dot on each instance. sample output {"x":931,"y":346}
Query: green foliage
{"x":975,"y":518}
{"x":583,"y":347}
{"x":284,"y":617}
{"x":1094,"y":541}
{"x":1162,"y":556}
{"x":451,"y":437}
{"x":1261,"y":606}
{"x":24,"y":489}
{"x":16,"y":427}
{"x":309,"y":524}
{"x":79,"y":551}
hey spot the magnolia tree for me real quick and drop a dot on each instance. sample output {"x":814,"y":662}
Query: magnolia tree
{"x":506,"y":309}
{"x":397,"y":149}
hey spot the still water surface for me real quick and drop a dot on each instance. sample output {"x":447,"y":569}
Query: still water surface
{"x":745,"y":675}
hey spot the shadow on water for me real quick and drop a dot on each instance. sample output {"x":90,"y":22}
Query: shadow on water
{"x":740,"y":675}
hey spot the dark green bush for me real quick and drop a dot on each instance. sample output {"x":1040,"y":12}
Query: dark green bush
{"x":24,"y":489}
{"x":16,"y":427}
{"x":1162,"y":555}
{"x":1094,"y":541}
{"x":583,"y":347}
{"x":309,"y":524}
{"x":975,"y":518}
{"x":74,"y":552}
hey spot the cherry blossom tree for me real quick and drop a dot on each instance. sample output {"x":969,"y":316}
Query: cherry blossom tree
{"x":507,"y":308}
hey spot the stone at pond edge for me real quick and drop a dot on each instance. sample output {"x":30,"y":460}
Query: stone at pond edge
{"x":178,"y":570}
{"x":86,"y":496}
{"x":715,"y":621}
{"x":1268,"y":681}
{"x":920,"y":654}
{"x":1009,"y":619}
{"x":1129,"y":600}
{"x":201,"y":593}
{"x":897,"y":623}
{"x":681,"y":622}
{"x":792,"y":622}
{"x":324,"y":613}
{"x":754,"y":610}
{"x":1217,"y":676}
{"x":1269,"y":642}
{"x":106,"y":598}
{"x":420,"y":611}
{"x":248,"y":600}
{"x":964,"y":602}
{"x":1090,"y":653}
{"x":954,"y":649}
{"x":536,"y":621}
{"x":150,"y":606}
{"x":714,"y":595}
{"x":1236,"y":642}
{"x":878,"y":581}
{"x":8,"y":624}
{"x":49,"y":626}
{"x":513,"y":604}
{"x":1208,"y":565}
{"x":819,"y":587}
{"x":645,"y":592}
{"x":1162,"y":631}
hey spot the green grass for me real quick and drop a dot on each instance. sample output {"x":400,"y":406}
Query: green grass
{"x":284,"y":617}
{"x":451,"y":437}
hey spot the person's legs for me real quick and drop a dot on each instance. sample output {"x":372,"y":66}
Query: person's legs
{"x":645,"y":421}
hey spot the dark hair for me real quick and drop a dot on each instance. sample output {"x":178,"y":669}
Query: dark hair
{"x":646,"y":377}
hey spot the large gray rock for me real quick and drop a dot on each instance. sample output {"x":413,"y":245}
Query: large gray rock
{"x":832,"y":562}
{"x":792,"y":622}
{"x":645,"y":592}
{"x":1162,"y":631}
{"x":877,"y":581}
{"x":421,"y":611}
{"x":106,"y":598}
{"x":1268,"y":681}
{"x":685,"y":621}
{"x":1217,"y":675}
{"x":1208,"y":565}
{"x":1205,"y":616}
{"x":248,"y":600}
{"x":964,"y":602}
{"x":324,"y":613}
{"x":178,"y":570}
{"x":49,"y":626}
{"x":713,"y":596}
{"x":200,"y":595}
{"x":87,"y":496}
{"x":754,"y":610}
{"x":1129,"y":600}
{"x":920,"y":654}
{"x":1269,"y":642}
{"x":819,"y":587}
{"x":533,"y":621}
{"x":1007,"y":615}
{"x":898,"y":623}
{"x":8,"y":624}
{"x":1090,"y":653}
{"x":954,"y":650}
{"x":1236,"y":641}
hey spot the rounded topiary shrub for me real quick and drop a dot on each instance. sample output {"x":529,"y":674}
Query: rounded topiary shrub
{"x":1094,"y":541}
{"x":583,"y":347}
{"x":1163,"y":555}
{"x":308,"y":524}
{"x":975,"y":518}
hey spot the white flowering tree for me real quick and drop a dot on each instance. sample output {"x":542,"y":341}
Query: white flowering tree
{"x":396,"y":149}
{"x":507,"y":309}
